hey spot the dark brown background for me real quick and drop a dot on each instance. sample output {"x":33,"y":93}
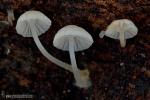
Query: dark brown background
{"x":116,"y":73}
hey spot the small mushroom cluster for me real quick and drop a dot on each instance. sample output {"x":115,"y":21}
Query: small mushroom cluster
{"x":70,"y":38}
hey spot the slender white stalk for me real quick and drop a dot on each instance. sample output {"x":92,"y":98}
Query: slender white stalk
{"x":73,"y":61}
{"x":45,"y":53}
{"x":122,"y":39}
{"x":81,"y":76}
{"x":11,"y":17}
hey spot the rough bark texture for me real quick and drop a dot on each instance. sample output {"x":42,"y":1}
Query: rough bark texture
{"x":116,"y":73}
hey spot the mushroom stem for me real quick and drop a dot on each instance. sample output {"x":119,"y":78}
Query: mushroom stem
{"x":73,"y":61}
{"x":122,"y":39}
{"x":10,"y":16}
{"x":45,"y":53}
{"x":82,"y":81}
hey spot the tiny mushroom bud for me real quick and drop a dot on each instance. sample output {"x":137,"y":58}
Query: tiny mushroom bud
{"x":121,"y":29}
{"x":7,"y":5}
{"x":73,"y":38}
{"x":33,"y":24}
{"x":11,"y":17}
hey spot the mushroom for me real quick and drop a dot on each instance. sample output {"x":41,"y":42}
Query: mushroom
{"x":73,"y":38}
{"x":11,"y":17}
{"x":34,"y":24}
{"x":6,"y":5}
{"x":120,"y":29}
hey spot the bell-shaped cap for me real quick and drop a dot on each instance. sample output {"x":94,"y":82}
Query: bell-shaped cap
{"x":122,"y":25}
{"x":32,"y":20}
{"x":82,"y":39}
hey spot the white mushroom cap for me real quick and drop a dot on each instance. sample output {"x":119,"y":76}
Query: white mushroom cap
{"x":39,"y":20}
{"x":82,"y":39}
{"x":125,"y":25}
